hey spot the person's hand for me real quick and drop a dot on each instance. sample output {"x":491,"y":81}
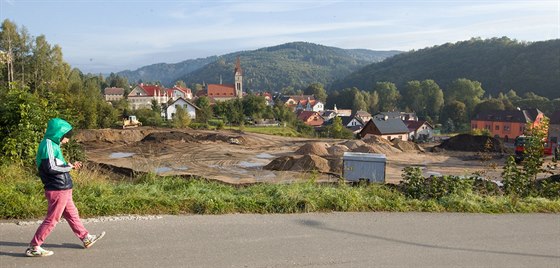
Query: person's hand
{"x":77,"y":165}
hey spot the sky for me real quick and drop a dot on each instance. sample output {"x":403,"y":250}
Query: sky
{"x":104,"y":36}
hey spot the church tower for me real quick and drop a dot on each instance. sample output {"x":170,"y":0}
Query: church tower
{"x":238,"y":77}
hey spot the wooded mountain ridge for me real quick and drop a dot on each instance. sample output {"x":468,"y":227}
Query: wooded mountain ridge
{"x":500,"y":64}
{"x":295,"y":64}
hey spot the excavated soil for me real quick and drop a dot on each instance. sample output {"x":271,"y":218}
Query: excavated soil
{"x":239,"y":158}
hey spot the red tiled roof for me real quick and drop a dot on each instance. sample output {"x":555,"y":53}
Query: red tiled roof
{"x":186,"y":90}
{"x":152,"y":90}
{"x":114,"y":91}
{"x":218,"y":90}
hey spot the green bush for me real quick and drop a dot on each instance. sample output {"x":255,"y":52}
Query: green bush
{"x":415,"y":185}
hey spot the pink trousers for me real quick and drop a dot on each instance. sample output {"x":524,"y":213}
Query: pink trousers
{"x":60,"y":204}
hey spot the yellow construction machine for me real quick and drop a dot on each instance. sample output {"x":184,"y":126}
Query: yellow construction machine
{"x":131,"y":122}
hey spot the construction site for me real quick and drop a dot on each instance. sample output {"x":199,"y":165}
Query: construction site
{"x":236,"y":157}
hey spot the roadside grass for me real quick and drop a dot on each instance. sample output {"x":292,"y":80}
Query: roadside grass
{"x":99,"y":194}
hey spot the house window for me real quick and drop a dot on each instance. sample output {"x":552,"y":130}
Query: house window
{"x":497,"y":127}
{"x":400,"y":137}
{"x":389,"y":137}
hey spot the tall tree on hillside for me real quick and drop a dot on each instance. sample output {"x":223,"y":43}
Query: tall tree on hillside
{"x":454,"y":114}
{"x":412,"y":97}
{"x":359,"y":102}
{"x":318,"y":90}
{"x":388,"y":96}
{"x":433,"y":97}
{"x":466,"y":91}
{"x":373,"y":102}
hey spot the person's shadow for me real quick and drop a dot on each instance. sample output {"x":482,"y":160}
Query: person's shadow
{"x":22,"y":246}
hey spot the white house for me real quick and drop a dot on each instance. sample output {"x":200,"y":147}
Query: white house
{"x":419,"y":130}
{"x":189,"y":107}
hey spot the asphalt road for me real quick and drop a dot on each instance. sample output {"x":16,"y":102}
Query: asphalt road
{"x":301,"y":240}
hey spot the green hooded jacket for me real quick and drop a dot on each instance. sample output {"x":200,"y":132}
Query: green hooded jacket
{"x":53,"y":168}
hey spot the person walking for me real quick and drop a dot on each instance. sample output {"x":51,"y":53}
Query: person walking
{"x":55,"y":175}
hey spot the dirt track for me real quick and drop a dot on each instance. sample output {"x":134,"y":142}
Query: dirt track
{"x":238,"y":158}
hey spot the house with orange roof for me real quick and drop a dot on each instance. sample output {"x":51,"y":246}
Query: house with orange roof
{"x":311,"y":118}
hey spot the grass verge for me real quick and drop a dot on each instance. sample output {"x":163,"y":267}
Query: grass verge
{"x":97,"y":194}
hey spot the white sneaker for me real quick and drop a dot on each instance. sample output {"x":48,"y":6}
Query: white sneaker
{"x":89,"y":240}
{"x":38,"y":252}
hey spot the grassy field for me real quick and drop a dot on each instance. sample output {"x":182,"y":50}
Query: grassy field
{"x":98,"y":194}
{"x":280,"y":131}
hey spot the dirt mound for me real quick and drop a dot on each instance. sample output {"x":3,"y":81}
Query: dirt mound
{"x":316,"y":148}
{"x":406,"y":146}
{"x":375,"y":139}
{"x":299,"y":163}
{"x":377,"y":149}
{"x":112,"y":135}
{"x":170,"y":135}
{"x":337,"y":150}
{"x":353,"y":144}
{"x":471,"y":143}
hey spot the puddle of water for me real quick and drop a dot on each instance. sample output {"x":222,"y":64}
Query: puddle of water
{"x":264,"y":156}
{"x":120,"y":155}
{"x":162,"y":170}
{"x":182,"y":168}
{"x":246,"y":164}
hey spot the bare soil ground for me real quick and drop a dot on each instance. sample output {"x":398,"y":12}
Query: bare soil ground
{"x":240,"y":158}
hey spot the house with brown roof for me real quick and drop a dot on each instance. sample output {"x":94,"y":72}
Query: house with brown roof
{"x":113,"y":93}
{"x":419,"y":130}
{"x":507,"y":124}
{"x":311,"y":118}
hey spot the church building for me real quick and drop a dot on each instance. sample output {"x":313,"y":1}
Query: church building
{"x":221,"y":92}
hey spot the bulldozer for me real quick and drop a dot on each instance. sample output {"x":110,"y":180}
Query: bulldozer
{"x":131,"y":122}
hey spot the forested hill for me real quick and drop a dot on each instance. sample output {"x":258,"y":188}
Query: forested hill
{"x":164,"y":72}
{"x":500,"y":64}
{"x":296,"y":64}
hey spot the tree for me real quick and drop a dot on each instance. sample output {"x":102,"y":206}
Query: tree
{"x":181,"y":83}
{"x":373,"y":102}
{"x":23,"y":119}
{"x":412,"y":97}
{"x":433,"y":98}
{"x":456,"y":111}
{"x":388,"y":96}
{"x":318,"y":90}
{"x":466,"y":91}
{"x":337,"y":131}
{"x":359,"y":103}
{"x":181,"y":119}
{"x":205,"y":112}
{"x":490,"y":105}
{"x":254,"y":106}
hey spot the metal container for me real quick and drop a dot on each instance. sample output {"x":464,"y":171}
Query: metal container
{"x":364,"y":166}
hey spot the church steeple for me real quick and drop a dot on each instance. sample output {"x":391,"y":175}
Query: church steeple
{"x":238,"y":77}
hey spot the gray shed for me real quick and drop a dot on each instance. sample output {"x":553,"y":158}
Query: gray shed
{"x":366,"y":166}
